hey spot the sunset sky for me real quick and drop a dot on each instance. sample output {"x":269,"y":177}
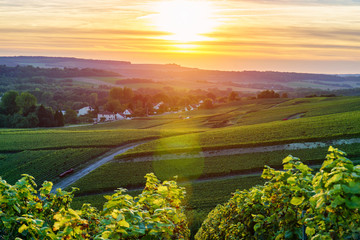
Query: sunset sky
{"x":279,"y":35}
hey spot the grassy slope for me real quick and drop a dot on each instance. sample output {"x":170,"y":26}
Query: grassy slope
{"x":253,"y":122}
{"x":304,"y":129}
{"x":242,"y":115}
{"x":45,"y":153}
{"x":45,"y":164}
{"x":19,"y":139}
{"x":131,"y":174}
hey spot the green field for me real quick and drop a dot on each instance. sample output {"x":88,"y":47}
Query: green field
{"x":45,"y":153}
{"x":20,"y":139}
{"x":127,"y":174}
{"x":340,"y":125}
{"x":45,"y":164}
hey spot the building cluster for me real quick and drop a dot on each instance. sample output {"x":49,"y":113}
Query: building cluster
{"x":106,"y":116}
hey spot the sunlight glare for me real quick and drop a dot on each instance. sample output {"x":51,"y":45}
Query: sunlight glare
{"x":185,"y":20}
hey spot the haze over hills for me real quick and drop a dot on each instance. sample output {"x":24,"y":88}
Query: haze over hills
{"x":250,"y":80}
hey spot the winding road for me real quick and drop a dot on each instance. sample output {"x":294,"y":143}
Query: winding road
{"x":67,"y":181}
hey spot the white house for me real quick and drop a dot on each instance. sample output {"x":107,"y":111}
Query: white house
{"x":106,"y":116}
{"x":128,"y":112}
{"x":120,"y":116}
{"x":84,"y":111}
{"x":157,"y":106}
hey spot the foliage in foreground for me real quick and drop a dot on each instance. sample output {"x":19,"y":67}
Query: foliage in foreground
{"x":293,"y":203}
{"x":156,"y":213}
{"x":324,"y":205}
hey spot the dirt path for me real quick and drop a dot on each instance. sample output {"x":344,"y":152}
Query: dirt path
{"x":67,"y":181}
{"x":236,"y":151}
{"x":296,"y":116}
{"x":225,"y":152}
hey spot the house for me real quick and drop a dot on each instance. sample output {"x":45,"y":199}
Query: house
{"x":128,"y":113}
{"x":157,"y":106}
{"x":106,"y":116}
{"x":120,"y":116}
{"x":84,"y":111}
{"x":199,"y":104}
{"x":192,"y":107}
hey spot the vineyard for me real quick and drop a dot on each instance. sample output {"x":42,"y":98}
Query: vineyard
{"x":19,"y":140}
{"x":45,"y":164}
{"x":294,"y":203}
{"x":209,"y":181}
{"x":340,"y":125}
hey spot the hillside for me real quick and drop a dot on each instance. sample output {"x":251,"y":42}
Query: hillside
{"x":213,"y":152}
{"x":248,"y":81}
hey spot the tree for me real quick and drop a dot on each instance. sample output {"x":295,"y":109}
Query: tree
{"x":26,"y":102}
{"x":233,"y":96}
{"x":93,"y":99}
{"x":128,"y":94}
{"x":59,"y":119}
{"x":268,"y":94}
{"x":123,"y":95}
{"x":19,"y":121}
{"x":211,"y":96}
{"x":4,"y":121}
{"x":208,"y":104}
{"x":8,"y":102}
{"x":284,"y":95}
{"x":113,"y":105}
{"x":70,"y":116}
{"x":46,"y":117}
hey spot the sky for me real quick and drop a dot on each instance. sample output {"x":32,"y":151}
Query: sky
{"x":277,"y":35}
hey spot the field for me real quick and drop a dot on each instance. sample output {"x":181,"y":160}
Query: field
{"x":127,"y":174}
{"x":45,"y":164}
{"x":341,"y":125}
{"x":45,"y":153}
{"x":19,"y":140}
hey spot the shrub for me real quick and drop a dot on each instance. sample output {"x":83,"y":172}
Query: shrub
{"x":39,"y":214}
{"x":325,"y":205}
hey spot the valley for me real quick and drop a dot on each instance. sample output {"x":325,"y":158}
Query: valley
{"x":212,"y":153}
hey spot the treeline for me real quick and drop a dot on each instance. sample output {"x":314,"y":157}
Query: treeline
{"x":57,"y":93}
{"x":31,"y":71}
{"x":143,"y":101}
{"x":21,"y":111}
{"x":271,"y":94}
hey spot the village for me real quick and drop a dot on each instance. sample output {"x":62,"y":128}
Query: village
{"x":128,"y":114}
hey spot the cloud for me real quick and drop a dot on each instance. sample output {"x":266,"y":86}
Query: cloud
{"x":84,"y":31}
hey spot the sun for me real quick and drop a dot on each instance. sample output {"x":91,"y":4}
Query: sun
{"x":185,"y":20}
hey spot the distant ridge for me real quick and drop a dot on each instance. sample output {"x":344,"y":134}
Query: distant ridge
{"x":23,"y":60}
{"x":171,"y":73}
